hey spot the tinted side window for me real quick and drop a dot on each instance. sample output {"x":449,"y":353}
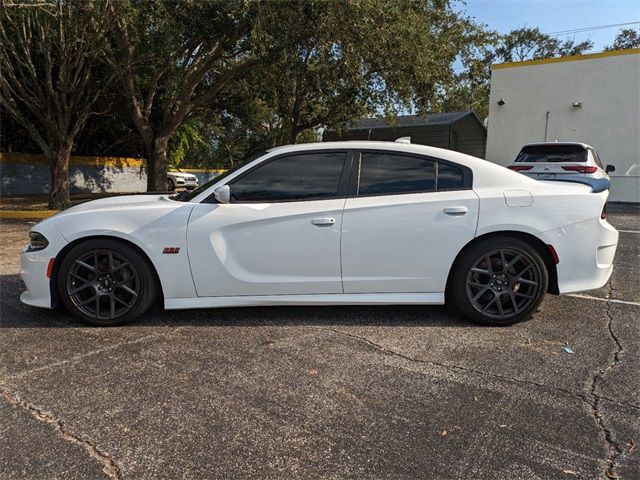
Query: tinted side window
{"x":309,"y":176}
{"x":383,"y":173}
{"x":449,"y":177}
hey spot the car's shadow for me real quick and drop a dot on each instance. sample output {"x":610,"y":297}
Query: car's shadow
{"x":14,"y":314}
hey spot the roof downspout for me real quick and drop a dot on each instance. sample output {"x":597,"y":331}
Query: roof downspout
{"x":546,"y":125}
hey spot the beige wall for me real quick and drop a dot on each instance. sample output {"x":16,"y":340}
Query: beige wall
{"x":607,"y":85}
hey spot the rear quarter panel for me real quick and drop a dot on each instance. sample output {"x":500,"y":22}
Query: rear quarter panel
{"x":566,"y":216}
{"x":551,"y":206}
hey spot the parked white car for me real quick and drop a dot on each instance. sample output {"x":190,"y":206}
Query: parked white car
{"x":560,"y":159}
{"x":329,"y":224}
{"x":177,"y":179}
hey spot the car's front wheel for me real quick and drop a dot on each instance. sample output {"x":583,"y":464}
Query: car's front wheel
{"x":498,"y":281}
{"x":105,"y":282}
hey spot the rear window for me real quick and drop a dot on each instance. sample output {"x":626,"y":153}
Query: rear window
{"x":552,"y":153}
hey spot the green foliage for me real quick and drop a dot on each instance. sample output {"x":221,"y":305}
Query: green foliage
{"x":331,"y":63}
{"x":530,"y":43}
{"x":188,"y":137}
{"x":173,"y":59}
{"x":627,"y":38}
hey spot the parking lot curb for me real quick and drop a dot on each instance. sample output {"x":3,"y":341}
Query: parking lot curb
{"x":27,"y":214}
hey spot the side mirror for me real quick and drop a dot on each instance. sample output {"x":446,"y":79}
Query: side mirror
{"x":610,"y":168}
{"x":222,"y":194}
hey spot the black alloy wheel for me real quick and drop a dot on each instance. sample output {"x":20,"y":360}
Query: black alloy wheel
{"x":498,"y":281}
{"x":503,"y":283}
{"x":106,"y":282}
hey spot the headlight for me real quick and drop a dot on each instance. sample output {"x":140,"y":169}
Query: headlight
{"x":37,"y":241}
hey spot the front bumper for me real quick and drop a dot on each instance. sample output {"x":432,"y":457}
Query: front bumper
{"x":188,"y":184}
{"x":33,"y":270}
{"x":585,"y":251}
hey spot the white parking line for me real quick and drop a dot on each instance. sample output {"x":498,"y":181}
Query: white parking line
{"x":629,"y":231}
{"x":599,"y":299}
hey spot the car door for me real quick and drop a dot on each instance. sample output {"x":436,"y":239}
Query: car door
{"x":408,"y":220}
{"x":280,"y":233}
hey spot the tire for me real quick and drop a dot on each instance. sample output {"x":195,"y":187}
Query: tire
{"x":106,"y":282}
{"x":171,"y":187}
{"x":498,"y":295}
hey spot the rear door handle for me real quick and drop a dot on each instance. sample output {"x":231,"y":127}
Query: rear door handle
{"x":456,"y":211}
{"x":323,"y":221}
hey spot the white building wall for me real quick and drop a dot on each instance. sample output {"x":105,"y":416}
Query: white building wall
{"x":607,"y":85}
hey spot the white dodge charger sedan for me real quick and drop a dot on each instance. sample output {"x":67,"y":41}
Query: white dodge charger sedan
{"x":330,"y":224}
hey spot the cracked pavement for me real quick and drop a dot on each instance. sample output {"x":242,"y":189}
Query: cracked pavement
{"x":332,"y":392}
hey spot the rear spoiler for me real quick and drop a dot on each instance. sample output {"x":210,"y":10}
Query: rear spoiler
{"x":597,"y":184}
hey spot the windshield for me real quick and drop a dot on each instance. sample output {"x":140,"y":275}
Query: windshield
{"x":186,"y":196}
{"x":552,"y":153}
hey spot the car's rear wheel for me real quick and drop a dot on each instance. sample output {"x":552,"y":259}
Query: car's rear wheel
{"x":171,"y":186}
{"x":498,"y":281}
{"x":105,"y":282}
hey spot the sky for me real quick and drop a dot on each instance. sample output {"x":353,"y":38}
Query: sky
{"x":558,"y":15}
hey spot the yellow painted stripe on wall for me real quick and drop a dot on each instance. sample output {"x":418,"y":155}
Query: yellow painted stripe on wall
{"x":572,"y":58}
{"x":35,"y":214}
{"x":39,"y":159}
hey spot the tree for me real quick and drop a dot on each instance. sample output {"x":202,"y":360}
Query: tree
{"x":627,"y":38}
{"x":530,"y":43}
{"x":469,"y":87}
{"x":48,"y":56}
{"x":338,"y":61}
{"x":174,"y":58}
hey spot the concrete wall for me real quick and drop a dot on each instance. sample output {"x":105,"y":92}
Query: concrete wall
{"x":26,"y":174}
{"x":607,"y":85}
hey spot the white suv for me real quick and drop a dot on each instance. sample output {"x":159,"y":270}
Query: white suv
{"x":177,"y":179}
{"x":545,"y":161}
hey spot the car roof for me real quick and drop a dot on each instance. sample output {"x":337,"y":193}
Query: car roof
{"x":406,"y":147}
{"x":550,"y":144}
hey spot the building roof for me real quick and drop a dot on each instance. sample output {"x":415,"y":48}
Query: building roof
{"x":445,"y":118}
{"x":569,"y":58}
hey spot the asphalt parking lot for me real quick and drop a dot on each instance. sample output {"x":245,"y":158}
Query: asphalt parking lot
{"x":332,"y":392}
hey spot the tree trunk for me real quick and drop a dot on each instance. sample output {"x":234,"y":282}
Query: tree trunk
{"x":293,"y":137}
{"x":59,"y":167}
{"x":157,"y":165}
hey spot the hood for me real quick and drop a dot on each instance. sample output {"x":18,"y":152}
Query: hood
{"x":122,"y":201}
{"x":121,"y":216}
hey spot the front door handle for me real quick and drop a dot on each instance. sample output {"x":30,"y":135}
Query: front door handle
{"x":456,"y":211}
{"x":323,"y":221}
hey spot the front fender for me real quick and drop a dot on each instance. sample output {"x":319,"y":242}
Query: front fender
{"x":152,"y":229}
